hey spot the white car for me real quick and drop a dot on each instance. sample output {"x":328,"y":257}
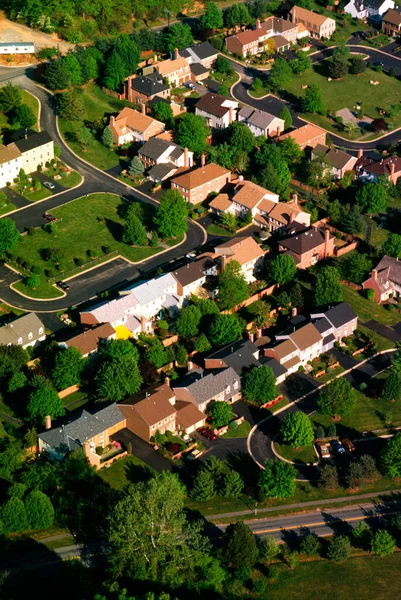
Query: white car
{"x":189,"y":85}
{"x":49,"y":185}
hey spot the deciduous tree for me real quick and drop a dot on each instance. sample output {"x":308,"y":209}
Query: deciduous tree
{"x":44,"y":401}
{"x":233,"y":288}
{"x":282,"y":269}
{"x":392,"y":387}
{"x":313,"y":102}
{"x":9,"y":236}
{"x":357,"y":66}
{"x":268,"y":548}
{"x":107,"y":137}
{"x":212,"y":18}
{"x":286,"y":116}
{"x":278,"y":479}
{"x":220,"y":413}
{"x":171,"y":216}
{"x":118,"y":379}
{"x":68,"y":367}
{"x":337,"y":399}
{"x":297,"y":430}
{"x":259,"y":385}
{"x":239,"y":546}
{"x":13,"y":516}
{"x":225,"y":329}
{"x":39,"y":510}
{"x":24,"y":116}
{"x":328,"y":287}
{"x":280,"y":74}
{"x":115,"y":72}
{"x":191,"y":133}
{"x":392,"y":245}
{"x":372,"y":198}
{"x":164,"y":113}
{"x":10,"y":97}
{"x":310,"y":544}
{"x":179,"y":36}
{"x":391,"y":457}
{"x":188,"y":322}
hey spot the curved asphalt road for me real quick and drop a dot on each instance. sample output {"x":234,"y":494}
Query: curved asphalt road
{"x":274,"y":104}
{"x":116,"y":272}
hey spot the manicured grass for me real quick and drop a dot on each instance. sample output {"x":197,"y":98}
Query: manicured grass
{"x":61,"y":543}
{"x":44,"y":290}
{"x":33,"y":104}
{"x":89,"y":223}
{"x":126,"y":470}
{"x":331,"y":375}
{"x":348,"y":92}
{"x":71,"y":180}
{"x":241,"y":431}
{"x":75,"y":400}
{"x":367,"y":309}
{"x":305,"y":454}
{"x":5,"y":310}
{"x":381,"y":342}
{"x":8,"y":207}
{"x":38,"y":194}
{"x":216,"y":230}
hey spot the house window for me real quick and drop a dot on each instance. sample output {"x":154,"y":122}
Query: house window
{"x":20,"y":340}
{"x":40,"y":330}
{"x":172,"y":417}
{"x":166,"y":420}
{"x":30,"y":336}
{"x":153,"y":427}
{"x":236,"y":385}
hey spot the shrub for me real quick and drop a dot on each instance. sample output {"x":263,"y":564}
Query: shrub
{"x":91,"y":253}
{"x":79,"y":262}
{"x":12,"y":256}
{"x":51,"y":272}
{"x":390,"y":307}
{"x":233,"y":425}
{"x":370,"y":294}
{"x":37,"y":270}
{"x":363,"y":386}
{"x":32,"y":231}
{"x":107,"y":249}
{"x":27,"y":265}
{"x":20,"y":260}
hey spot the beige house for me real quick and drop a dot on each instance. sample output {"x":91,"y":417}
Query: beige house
{"x":200,"y":388}
{"x":246,"y":252}
{"x":318,"y":26}
{"x":10,"y":163}
{"x":176,"y":71}
{"x":36,"y":148}
{"x":27,"y":330}
{"x":130,"y":125}
{"x":196,"y":185}
{"x":307,"y":136}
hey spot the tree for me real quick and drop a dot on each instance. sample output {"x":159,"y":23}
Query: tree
{"x":191,"y":133}
{"x":328,"y":287}
{"x":115,"y":71}
{"x":290,"y":150}
{"x":278,"y":479}
{"x":155,"y":352}
{"x":171,"y":216}
{"x":372,"y":198}
{"x":269,"y":548}
{"x":179,"y":36}
{"x":202,"y":344}
{"x":68,"y":367}
{"x":12,"y":358}
{"x":274,"y":173}
{"x":24,"y":116}
{"x":212,"y":18}
{"x":297,"y":296}
{"x":259,"y":385}
{"x":328,"y":478}
{"x":13,"y":516}
{"x":239,"y":546}
{"x":297,"y":430}
{"x":319,"y":433}
{"x":395,"y":361}
{"x":56,"y":75}
{"x":136,"y":167}
{"x":155,"y":538}
{"x":240,"y":138}
{"x":236,"y":14}
{"x":337,"y":399}
{"x":223,"y":66}
{"x":16,"y":382}
{"x":391,"y":457}
{"x":232,"y":485}
{"x":337,"y":67}
{"x":355,"y":475}
{"x":332,"y":430}
{"x":357,"y":66}
{"x":33,"y":281}
{"x":229,"y":221}
{"x":181,"y":354}
{"x":129,"y":53}
{"x":205,"y":305}
{"x":339,"y":548}
{"x":73,"y":69}
{"x":382,"y":543}
{"x":280,"y":74}
{"x":188,"y":322}
{"x":203,"y":488}
{"x":233,"y":288}
{"x":313,"y":101}
{"x":286,"y":116}
{"x":356,"y":267}
{"x":353,"y":220}
{"x":310,"y":544}
{"x":392,"y":387}
{"x":71,"y":105}
{"x":39,"y":510}
{"x":282,"y":269}
{"x":164,"y":113}
{"x":44,"y":401}
{"x":118,"y":379}
{"x":10,"y":97}
{"x":392,"y":245}
{"x":118,"y":349}
{"x":301,"y":64}
{"x":260,"y":312}
{"x":107,"y":137}
{"x":225,"y":329}
{"x":134,"y":232}
{"x":370,"y":472}
{"x":220,"y":413}
{"x":9,"y":236}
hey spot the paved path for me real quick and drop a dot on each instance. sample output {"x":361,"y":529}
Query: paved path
{"x":390,"y":333}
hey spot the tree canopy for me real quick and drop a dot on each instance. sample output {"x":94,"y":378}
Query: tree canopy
{"x":328,"y":287}
{"x":233,"y":288}
{"x":391,"y":457}
{"x":278,"y":479}
{"x":239,"y":546}
{"x":225,"y":329}
{"x":191,"y":133}
{"x":212,"y":18}
{"x":313,"y":102}
{"x":9,"y":236}
{"x":188,"y":321}
{"x":372,"y":198}
{"x":259,"y":385}
{"x":220,"y":412}
{"x":282,"y":269}
{"x":171,"y":216}
{"x":117,"y":379}
{"x":68,"y":367}
{"x":297,"y":430}
{"x":44,"y":401}
{"x":337,"y":399}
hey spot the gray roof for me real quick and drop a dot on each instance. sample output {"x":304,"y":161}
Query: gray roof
{"x":21,"y":328}
{"x":322,"y":325}
{"x":393,"y":265}
{"x":340,"y":315}
{"x":147,"y":291}
{"x":261,"y":119}
{"x":275,"y":366}
{"x":148,"y":86}
{"x":111,"y":310}
{"x":329,"y":338}
{"x":198,"y":69}
{"x":239,"y":355}
{"x":82,"y":428}
{"x":204,"y":50}
{"x":204,"y":387}
{"x":35,"y":140}
{"x":7,"y":44}
{"x":155,"y":147}
{"x":337,"y":158}
{"x":162,"y":171}
{"x":245,"y":112}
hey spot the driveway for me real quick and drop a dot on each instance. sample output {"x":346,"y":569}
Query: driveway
{"x":390,"y":333}
{"x":43,"y":177}
{"x":17,"y":199}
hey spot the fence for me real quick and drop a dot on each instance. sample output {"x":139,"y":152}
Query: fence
{"x":113,"y":94}
{"x":345,"y":249}
{"x":68,"y":391}
{"x":306,"y":188}
{"x":170,"y":340}
{"x":266,"y":292}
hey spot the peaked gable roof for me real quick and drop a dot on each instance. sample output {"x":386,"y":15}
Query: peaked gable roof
{"x":305,"y":241}
{"x":205,"y":386}
{"x":135,"y":120}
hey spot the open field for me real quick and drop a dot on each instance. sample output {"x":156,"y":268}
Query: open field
{"x":305,"y":454}
{"x":126,"y":470}
{"x":367,"y":309}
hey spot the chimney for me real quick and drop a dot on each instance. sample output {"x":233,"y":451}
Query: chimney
{"x":237,"y":28}
{"x":230,"y":115}
{"x":86,"y":448}
{"x":26,"y":133}
{"x":48,"y":422}
{"x":278,"y":132}
{"x":258,"y":25}
{"x":292,"y":217}
{"x":167,"y":380}
{"x":143,"y":109}
{"x":203,"y":160}
{"x":294,"y":311}
{"x":374,"y":274}
{"x":295,"y":198}
{"x":251,"y":336}
{"x":112,"y":120}
{"x":392,"y":171}
{"x":360,"y":153}
{"x":258,"y":333}
{"x":186,"y":165}
{"x":223,"y":262}
{"x":143,"y":325}
{"x":155,"y":58}
{"x":190,"y":365}
{"x":176,"y":54}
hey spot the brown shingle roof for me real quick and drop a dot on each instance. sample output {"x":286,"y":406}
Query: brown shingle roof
{"x":187,"y":414}
{"x":283,"y":210}
{"x":243,"y":250}
{"x":249,"y":194}
{"x":304,"y":242}
{"x":308,"y":15}
{"x":306,"y":337}
{"x":166,"y":67}
{"x":88,"y":340}
{"x":394,"y":266}
{"x":192,"y":271}
{"x":155,"y":407}
{"x":193,"y":179}
{"x":248,"y":36}
{"x":393,"y":17}
{"x":214,"y":104}
{"x":134,"y":120}
{"x":8,"y":153}
{"x":284,"y":348}
{"x":222,"y":202}
{"x":304,"y":134}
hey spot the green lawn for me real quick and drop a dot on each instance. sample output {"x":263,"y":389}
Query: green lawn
{"x":305,"y":454}
{"x":381,"y":342}
{"x":75,"y":400}
{"x":71,"y":180}
{"x":8,"y":207}
{"x":30,"y":101}
{"x":97,"y":105}
{"x":126,"y":470}
{"x":90,"y":223}
{"x":367,"y":309}
{"x":357,"y":578}
{"x":38,"y":194}
{"x":241,"y":431}
{"x":348,"y":92}
{"x":216,"y":230}
{"x":44,"y":290}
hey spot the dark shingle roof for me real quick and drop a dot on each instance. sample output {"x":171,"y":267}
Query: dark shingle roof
{"x":193,"y":271}
{"x":239,"y":355}
{"x":340,"y":314}
{"x":204,"y":50}
{"x":82,"y":428}
{"x":322,"y":325}
{"x":204,"y":387}
{"x":198,"y":69}
{"x":148,"y":86}
{"x":155,"y":147}
{"x":35,"y":140}
{"x":162,"y":171}
{"x":275,"y":366}
{"x":304,"y":242}
{"x":213,"y":104}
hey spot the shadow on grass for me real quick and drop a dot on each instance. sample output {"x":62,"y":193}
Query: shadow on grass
{"x":116,"y":229}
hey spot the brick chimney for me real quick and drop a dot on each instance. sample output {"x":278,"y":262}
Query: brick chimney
{"x":155,"y":58}
{"x":167,"y":381}
{"x":143,"y":325}
{"x":143,"y":109}
{"x":230,"y":115}
{"x":294,"y":311}
{"x":86,"y":447}
{"x":223,"y":259}
{"x":326,"y":241}
{"x":278,"y":132}
{"x":48,"y":422}
{"x":360,"y":153}
{"x":392,"y":172}
{"x":295,"y":198}
{"x":176,"y":54}
{"x":237,"y":28}
{"x":374,"y":274}
{"x":112,"y":120}
{"x":186,"y":161}
{"x":258,"y":25}
{"x":258,"y":333}
{"x":251,"y":336}
{"x":203,"y":160}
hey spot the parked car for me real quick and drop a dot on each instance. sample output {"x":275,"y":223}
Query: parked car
{"x":189,"y":85}
{"x":324,"y":450}
{"x":63,"y":285}
{"x":49,"y":185}
{"x":194,"y":454}
{"x":337,"y":447}
{"x":207,"y":433}
{"x":348,"y":445}
{"x":191,"y":255}
{"x":49,"y":217}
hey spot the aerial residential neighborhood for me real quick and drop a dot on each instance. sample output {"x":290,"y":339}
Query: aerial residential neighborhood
{"x":200,"y":314}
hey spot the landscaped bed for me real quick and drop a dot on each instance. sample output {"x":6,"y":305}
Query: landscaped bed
{"x":305,"y":454}
{"x":88,"y":229}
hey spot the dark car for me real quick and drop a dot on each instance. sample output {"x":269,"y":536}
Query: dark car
{"x":49,"y":217}
{"x":63,"y":285}
{"x":207,"y":433}
{"x":337,"y":447}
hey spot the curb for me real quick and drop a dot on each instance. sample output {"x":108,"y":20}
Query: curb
{"x":63,"y":294}
{"x":291,"y":462}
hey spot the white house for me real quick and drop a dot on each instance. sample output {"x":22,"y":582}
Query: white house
{"x":218,"y":111}
{"x":10,"y":164}
{"x":156,"y":296}
{"x":260,"y":122}
{"x":368,"y":9}
{"x":36,"y":148}
{"x":25,"y":331}
{"x":17,"y":47}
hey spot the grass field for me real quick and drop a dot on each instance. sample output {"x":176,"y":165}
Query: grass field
{"x":366,"y":309}
{"x":38,"y":194}
{"x":71,"y":180}
{"x":305,"y":454}
{"x":30,"y":101}
{"x":126,"y":470}
{"x":241,"y":431}
{"x":89,"y":223}
{"x":358,"y":578}
{"x":44,"y":290}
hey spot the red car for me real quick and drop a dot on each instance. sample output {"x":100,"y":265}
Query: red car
{"x":49,"y":217}
{"x":207,"y":433}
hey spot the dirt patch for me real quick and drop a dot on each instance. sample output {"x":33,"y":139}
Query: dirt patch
{"x":17,"y":60}
{"x":15,"y":32}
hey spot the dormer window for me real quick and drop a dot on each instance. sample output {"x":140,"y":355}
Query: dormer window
{"x":20,"y":340}
{"x":30,"y":336}
{"x":123,"y":129}
{"x":40,"y":330}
